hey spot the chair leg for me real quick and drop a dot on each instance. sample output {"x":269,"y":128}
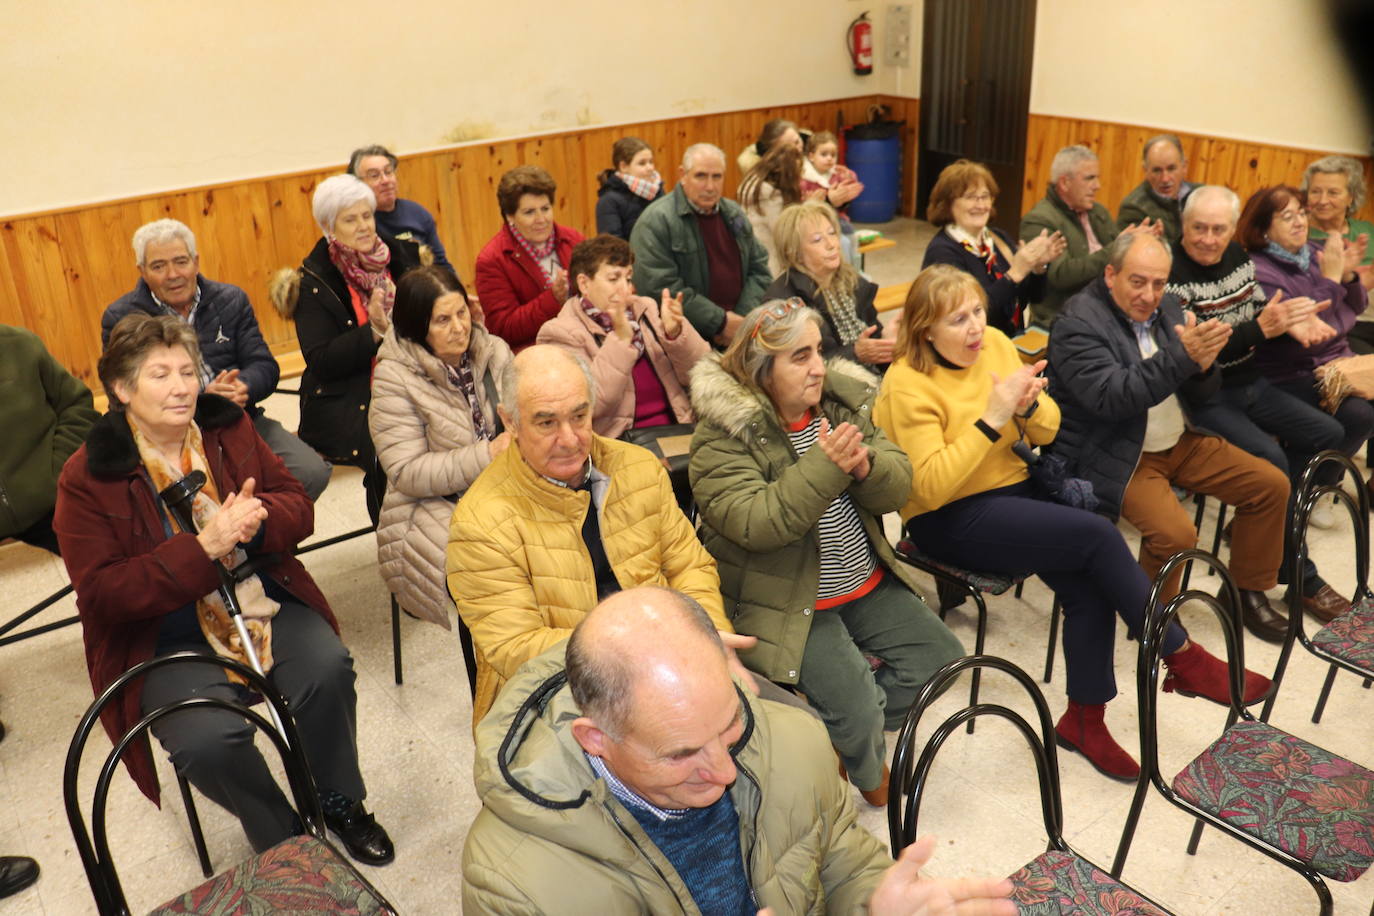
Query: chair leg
{"x":1123,"y":848}
{"x":1200,"y":501}
{"x":197,"y":834}
{"x":1019,"y":586}
{"x":1054,"y":640}
{"x":1216,"y":538}
{"x":1197,"y":835}
{"x":396,"y":638}
{"x":978,"y":639}
{"x":1326,"y":692}
{"x":1367,"y":682}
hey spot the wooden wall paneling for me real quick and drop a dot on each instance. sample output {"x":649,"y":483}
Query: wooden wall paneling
{"x":33,"y":257}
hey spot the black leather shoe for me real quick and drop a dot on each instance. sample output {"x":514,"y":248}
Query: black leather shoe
{"x":16,"y":873}
{"x":364,"y":838}
{"x":1260,"y":617}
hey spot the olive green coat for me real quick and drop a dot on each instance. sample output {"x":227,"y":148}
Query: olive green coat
{"x":1075,"y":268}
{"x":551,"y":838}
{"x":760,"y":503}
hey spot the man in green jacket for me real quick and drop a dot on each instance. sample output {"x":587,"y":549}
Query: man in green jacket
{"x":644,"y":780}
{"x":695,"y":243}
{"x":46,"y":413}
{"x":1070,"y":207}
{"x":1160,"y":196}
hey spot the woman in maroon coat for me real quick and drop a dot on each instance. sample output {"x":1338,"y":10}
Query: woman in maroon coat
{"x":522,"y":273}
{"x":144,"y":588}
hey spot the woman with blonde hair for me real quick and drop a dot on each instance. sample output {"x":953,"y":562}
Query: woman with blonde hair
{"x":959,"y":400}
{"x":793,"y":479}
{"x":809,"y":243}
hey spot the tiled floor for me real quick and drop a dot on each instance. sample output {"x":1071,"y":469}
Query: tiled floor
{"x":416,"y":746}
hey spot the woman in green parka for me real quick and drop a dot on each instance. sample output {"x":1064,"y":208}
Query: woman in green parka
{"x":791,"y":479}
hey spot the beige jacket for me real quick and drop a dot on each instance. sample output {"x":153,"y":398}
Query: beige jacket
{"x":520,"y":571}
{"x":762,"y":219}
{"x":613,"y":361}
{"x":422,"y":428}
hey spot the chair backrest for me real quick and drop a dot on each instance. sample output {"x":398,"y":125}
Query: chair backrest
{"x":95,"y":856}
{"x":1157,"y":620}
{"x":909,"y":775}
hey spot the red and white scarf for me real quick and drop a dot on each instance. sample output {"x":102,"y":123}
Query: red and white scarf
{"x":541,"y":253}
{"x":603,"y":318}
{"x":646,"y":188}
{"x":365,"y":270}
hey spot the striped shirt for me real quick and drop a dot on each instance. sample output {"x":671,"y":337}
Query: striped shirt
{"x":847,"y":559}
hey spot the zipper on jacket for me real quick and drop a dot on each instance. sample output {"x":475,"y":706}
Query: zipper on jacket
{"x":609,"y":805}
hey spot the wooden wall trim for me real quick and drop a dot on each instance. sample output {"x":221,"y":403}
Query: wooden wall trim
{"x":1244,"y":166}
{"x":59,"y":269}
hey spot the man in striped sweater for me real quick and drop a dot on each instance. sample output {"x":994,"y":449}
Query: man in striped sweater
{"x":1214,"y":277}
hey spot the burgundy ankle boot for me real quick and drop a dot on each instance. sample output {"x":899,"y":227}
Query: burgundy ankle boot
{"x":1082,"y":729}
{"x":1195,"y":672}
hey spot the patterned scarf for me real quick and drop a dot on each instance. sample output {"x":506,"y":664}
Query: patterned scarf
{"x":461,"y":378}
{"x":646,"y":188}
{"x":540,"y":253}
{"x":258,"y":609}
{"x":604,"y":319}
{"x":981,"y":248}
{"x":365,"y":270}
{"x":1302,"y":259}
{"x":843,"y":311}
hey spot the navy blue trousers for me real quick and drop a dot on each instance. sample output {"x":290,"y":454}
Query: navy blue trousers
{"x":1079,"y":554}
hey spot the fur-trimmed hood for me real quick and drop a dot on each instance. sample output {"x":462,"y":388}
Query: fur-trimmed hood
{"x":284,"y":286}
{"x":720,"y":399}
{"x":110,"y":449}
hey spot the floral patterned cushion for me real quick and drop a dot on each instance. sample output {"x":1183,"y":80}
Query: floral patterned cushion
{"x":992,"y":583}
{"x":1293,"y":795}
{"x":1351,"y":635}
{"x":299,"y":875}
{"x":1060,"y":882}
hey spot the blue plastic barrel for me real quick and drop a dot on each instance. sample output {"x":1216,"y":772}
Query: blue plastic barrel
{"x":877,"y":161}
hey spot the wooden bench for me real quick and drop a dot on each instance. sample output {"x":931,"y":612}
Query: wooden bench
{"x":891,"y":297}
{"x":877,"y":244}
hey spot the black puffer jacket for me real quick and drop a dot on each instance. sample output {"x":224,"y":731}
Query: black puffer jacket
{"x":336,"y":388}
{"x":617,"y":207}
{"x":1105,"y":389}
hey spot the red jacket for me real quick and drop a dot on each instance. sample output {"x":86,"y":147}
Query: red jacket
{"x":129,"y":575}
{"x":515,"y":299}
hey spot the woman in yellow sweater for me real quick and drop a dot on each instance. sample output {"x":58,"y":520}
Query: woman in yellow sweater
{"x":957,"y":398}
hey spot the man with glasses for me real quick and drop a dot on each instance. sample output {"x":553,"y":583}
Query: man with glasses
{"x":396,"y":216}
{"x":1161,"y":195}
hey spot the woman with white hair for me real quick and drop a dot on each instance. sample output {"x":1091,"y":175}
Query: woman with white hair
{"x":1335,"y":191}
{"x":341,"y":302}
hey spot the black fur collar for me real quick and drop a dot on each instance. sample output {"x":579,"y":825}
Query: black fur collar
{"x":110,"y":449}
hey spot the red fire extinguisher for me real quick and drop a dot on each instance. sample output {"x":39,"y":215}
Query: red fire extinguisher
{"x":859,"y":41}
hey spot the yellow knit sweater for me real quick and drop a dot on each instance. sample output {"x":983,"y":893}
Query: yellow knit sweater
{"x":931,"y":415}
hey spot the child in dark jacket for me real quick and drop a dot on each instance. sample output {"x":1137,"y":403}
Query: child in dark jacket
{"x":628,"y":188}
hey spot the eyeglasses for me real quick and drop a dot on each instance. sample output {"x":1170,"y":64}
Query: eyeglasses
{"x":374,"y":174}
{"x":776,"y":311}
{"x":983,"y":198}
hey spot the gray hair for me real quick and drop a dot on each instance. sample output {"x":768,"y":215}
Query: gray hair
{"x":362,"y":152}
{"x":1339,"y":165}
{"x":697,"y":149}
{"x":749,"y":358}
{"x":131,"y":340}
{"x":602,"y":681}
{"x":510,"y":385}
{"x":1068,"y":159}
{"x":1127,"y":240}
{"x":159,"y":231}
{"x":1195,"y":200}
{"x":334,"y":194}
{"x":1171,"y":139}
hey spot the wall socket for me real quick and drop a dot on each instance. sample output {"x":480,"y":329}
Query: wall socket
{"x":897,"y":29}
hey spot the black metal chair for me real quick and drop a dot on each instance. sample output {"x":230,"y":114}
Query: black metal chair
{"x":954,"y":583}
{"x":1254,"y":783}
{"x":328,"y":882}
{"x":1057,"y":876}
{"x":1348,"y":641}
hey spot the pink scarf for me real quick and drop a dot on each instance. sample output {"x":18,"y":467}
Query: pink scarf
{"x":646,"y":188}
{"x":365,"y":270}
{"x":540,"y":253}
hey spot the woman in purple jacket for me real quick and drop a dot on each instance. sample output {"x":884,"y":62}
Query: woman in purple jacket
{"x":1273,"y":228}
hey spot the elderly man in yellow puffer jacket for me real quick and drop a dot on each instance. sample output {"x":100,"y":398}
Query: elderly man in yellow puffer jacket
{"x":527,"y":561}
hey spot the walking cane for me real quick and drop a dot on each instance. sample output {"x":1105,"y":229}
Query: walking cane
{"x":178,"y":497}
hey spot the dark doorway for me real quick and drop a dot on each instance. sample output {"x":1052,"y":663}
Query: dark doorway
{"x":975,"y":95}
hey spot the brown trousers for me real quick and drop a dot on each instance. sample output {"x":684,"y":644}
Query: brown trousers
{"x":1210,"y":465}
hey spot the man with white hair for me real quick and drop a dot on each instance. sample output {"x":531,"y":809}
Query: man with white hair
{"x":236,"y":363}
{"x":1213,"y":277}
{"x":1070,"y":207}
{"x":696,"y":243}
{"x":1161,"y":195}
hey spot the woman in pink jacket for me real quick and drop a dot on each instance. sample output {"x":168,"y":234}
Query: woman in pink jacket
{"x":640,"y":351}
